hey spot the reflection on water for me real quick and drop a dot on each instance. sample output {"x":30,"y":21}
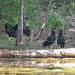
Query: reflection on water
{"x":45,"y":64}
{"x":36,"y":63}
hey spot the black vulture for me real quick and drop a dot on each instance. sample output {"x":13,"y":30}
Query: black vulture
{"x":50,"y":40}
{"x":26,"y":30}
{"x":16,"y":26}
{"x":10,"y":31}
{"x":61,"y":39}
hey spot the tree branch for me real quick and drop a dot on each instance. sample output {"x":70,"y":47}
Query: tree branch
{"x":39,"y":32}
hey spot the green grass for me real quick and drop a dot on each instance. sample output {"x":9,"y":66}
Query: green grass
{"x":37,"y":70}
{"x":7,"y":44}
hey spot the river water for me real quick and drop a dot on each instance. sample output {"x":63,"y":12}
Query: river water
{"x":37,"y":66}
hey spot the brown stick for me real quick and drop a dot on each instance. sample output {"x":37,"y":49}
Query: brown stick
{"x":39,"y":32}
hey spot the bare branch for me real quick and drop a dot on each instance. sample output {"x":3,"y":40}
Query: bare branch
{"x":40,"y":31}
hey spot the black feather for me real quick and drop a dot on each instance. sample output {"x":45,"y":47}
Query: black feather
{"x":10,"y":31}
{"x":50,"y":40}
{"x":15,"y":27}
{"x":61,"y":40}
{"x":26,"y":30}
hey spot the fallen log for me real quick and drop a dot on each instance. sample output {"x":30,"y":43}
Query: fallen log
{"x":54,"y":53}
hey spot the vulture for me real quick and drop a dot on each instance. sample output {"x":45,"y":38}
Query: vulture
{"x":10,"y":31}
{"x":50,"y":40}
{"x":26,"y":30}
{"x":61,"y":39}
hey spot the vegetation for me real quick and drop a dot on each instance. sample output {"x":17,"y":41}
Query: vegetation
{"x":57,"y":14}
{"x":53,"y":13}
{"x":31,"y":45}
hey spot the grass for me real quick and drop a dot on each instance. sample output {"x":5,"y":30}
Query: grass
{"x":37,"y":70}
{"x":7,"y":44}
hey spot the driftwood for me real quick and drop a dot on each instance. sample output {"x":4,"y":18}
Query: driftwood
{"x":60,"y":53}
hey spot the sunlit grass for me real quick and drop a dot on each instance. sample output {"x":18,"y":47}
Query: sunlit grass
{"x":22,"y":70}
{"x":36,"y":70}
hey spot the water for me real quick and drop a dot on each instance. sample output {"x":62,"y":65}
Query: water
{"x":37,"y":66}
